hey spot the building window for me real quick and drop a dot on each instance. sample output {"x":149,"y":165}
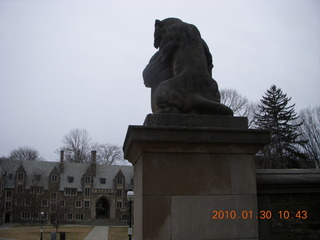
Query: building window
{"x":78,"y":204}
{"x":27,"y":202}
{"x":37,"y":177}
{"x":8,"y":205}
{"x":35,"y":190}
{"x":45,"y":216}
{"x":70,"y":179}
{"x":35,"y":215}
{"x":32,"y":190}
{"x":40,"y":190}
{"x":25,"y":215}
{"x":119,"y":204}
{"x":69,"y":217}
{"x":54,"y":178}
{"x":53,"y":206}
{"x":87,"y":179}
{"x":19,"y":188}
{"x":125,"y":217}
{"x":61,"y":216}
{"x":103,"y":180}
{"x":62,"y":203}
{"x":119,"y":192}
{"x":70,"y":191}
{"x":53,"y":196}
{"x":86,"y":204}
{"x":79,"y":216}
{"x":120,"y":181}
{"x":18,"y":201}
{"x":87,"y":192}
{"x":44,"y":203}
{"x":8,"y":194}
{"x":20,"y":176}
{"x":10,"y":176}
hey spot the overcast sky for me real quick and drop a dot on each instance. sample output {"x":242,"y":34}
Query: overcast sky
{"x":78,"y":64}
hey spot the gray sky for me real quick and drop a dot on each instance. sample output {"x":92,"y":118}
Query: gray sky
{"x":78,"y":64}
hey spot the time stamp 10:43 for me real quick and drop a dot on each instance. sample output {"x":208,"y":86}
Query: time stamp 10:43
{"x":263,"y":214}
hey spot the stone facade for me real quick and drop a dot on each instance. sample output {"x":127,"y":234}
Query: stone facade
{"x":65,"y":192}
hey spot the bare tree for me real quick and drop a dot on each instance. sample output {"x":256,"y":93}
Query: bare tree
{"x":108,"y":153}
{"x":310,"y":130}
{"x":234,"y":100}
{"x":77,"y":146}
{"x":240,"y":105}
{"x":25,"y":154}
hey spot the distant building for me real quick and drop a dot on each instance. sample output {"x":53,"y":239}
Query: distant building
{"x":65,"y":192}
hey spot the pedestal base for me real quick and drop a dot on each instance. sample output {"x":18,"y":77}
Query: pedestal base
{"x":194,"y":182}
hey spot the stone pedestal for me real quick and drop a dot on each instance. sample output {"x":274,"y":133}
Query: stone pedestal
{"x":182,"y":174}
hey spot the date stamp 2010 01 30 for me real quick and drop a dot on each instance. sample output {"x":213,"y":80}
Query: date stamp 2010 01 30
{"x":263,"y":214}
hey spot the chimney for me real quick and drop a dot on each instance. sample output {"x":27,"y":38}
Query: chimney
{"x":93,"y":165}
{"x":93,"y":156}
{"x":61,"y":167}
{"x":61,"y":156}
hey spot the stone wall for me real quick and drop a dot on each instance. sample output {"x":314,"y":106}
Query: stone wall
{"x":290,"y":201}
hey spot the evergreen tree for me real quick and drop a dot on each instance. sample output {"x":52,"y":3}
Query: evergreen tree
{"x":276,"y":115}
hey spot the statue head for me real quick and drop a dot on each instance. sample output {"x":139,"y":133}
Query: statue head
{"x":160,"y":28}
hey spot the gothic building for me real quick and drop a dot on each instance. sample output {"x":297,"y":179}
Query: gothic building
{"x":65,"y":192}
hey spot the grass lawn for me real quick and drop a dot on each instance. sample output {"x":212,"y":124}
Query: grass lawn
{"x":72,"y":233}
{"x":77,"y":233}
{"x":118,"y":233}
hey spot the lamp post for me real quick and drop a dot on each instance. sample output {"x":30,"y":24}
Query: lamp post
{"x":41,"y":229}
{"x":130,"y":195}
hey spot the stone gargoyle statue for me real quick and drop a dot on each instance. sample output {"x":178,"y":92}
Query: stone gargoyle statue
{"x":179,"y":73}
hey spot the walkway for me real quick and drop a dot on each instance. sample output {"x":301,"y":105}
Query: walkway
{"x":98,"y":233}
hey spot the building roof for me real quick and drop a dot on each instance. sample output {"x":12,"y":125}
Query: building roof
{"x":75,"y":170}
{"x":109,"y":172}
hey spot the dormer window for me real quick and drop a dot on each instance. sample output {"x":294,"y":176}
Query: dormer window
{"x":103,"y":180}
{"x":54,"y":178}
{"x":37,"y":177}
{"x":120,"y":181}
{"x":20,"y":176}
{"x":70,"y":179}
{"x":87,"y":179}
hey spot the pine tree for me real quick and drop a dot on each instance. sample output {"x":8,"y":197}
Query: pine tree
{"x":276,"y":115}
